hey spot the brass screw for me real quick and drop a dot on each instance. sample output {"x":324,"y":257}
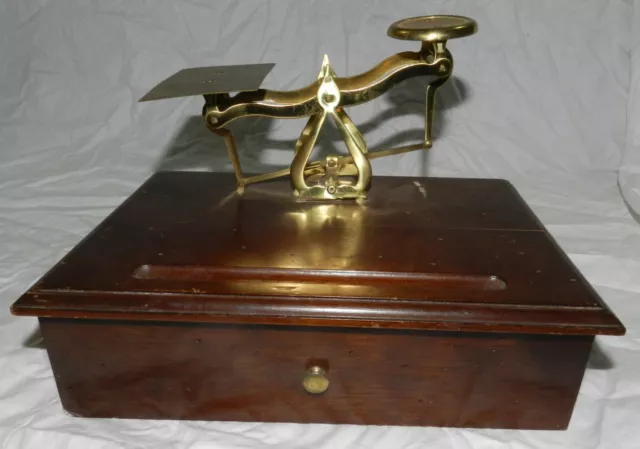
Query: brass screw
{"x":328,"y":98}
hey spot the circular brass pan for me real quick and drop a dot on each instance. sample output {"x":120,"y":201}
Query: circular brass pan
{"x":432,"y":28}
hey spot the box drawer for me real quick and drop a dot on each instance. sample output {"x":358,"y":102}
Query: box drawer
{"x":156,"y":370}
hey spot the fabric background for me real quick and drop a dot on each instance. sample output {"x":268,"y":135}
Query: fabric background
{"x":547,"y":95}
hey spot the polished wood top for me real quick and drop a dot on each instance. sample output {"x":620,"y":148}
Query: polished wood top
{"x":422,"y":253}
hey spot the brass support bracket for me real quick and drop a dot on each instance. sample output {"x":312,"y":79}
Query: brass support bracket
{"x":330,"y":187}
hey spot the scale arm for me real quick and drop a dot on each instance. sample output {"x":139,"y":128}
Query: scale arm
{"x":220,"y":109}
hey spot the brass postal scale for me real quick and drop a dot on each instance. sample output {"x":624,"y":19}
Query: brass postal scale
{"x":320,"y":293}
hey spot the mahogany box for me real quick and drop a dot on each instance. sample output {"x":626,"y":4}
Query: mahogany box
{"x":434,"y":302}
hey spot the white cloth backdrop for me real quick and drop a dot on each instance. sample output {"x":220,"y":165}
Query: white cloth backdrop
{"x":630,"y":169}
{"x":547,"y":95}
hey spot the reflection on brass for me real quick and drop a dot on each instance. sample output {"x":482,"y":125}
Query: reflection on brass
{"x":329,"y":95}
{"x":315,"y":381}
{"x":347,"y":222}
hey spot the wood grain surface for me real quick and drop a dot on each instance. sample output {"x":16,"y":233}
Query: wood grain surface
{"x":255,"y":373}
{"x":432,"y":254}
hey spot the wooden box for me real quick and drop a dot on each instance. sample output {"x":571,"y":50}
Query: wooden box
{"x":434,"y":302}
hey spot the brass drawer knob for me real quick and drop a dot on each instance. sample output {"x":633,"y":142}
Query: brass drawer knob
{"x":315,"y":382}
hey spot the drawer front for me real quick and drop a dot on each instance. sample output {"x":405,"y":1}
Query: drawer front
{"x":314,"y":375}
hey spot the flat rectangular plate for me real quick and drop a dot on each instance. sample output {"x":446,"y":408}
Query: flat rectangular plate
{"x":210,"y":80}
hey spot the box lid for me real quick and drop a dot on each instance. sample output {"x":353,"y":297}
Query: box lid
{"x":418,"y":253}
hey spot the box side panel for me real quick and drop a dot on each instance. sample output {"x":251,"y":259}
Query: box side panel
{"x":255,"y":373}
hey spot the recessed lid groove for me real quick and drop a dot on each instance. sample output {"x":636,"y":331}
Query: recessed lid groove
{"x":222,"y":273}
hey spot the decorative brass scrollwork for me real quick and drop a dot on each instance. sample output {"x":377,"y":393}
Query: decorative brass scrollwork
{"x":330,"y":187}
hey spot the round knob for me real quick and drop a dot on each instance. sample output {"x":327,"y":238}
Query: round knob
{"x":315,"y":382}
